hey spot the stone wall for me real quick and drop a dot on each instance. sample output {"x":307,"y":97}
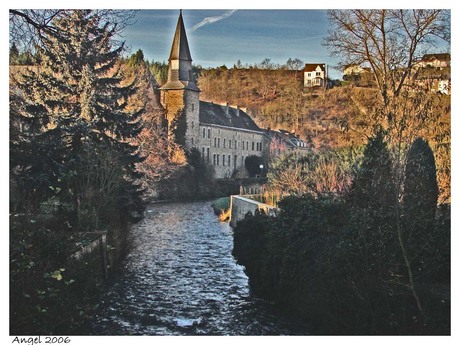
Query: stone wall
{"x":240,"y":206}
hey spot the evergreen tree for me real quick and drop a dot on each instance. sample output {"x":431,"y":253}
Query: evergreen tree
{"x":373,"y":186}
{"x":137,"y":58}
{"x":419,"y":204}
{"x":77,"y":101}
{"x":14,"y":54}
{"x":373,"y":214}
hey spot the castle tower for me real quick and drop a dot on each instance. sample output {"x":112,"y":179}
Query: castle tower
{"x":180,"y":95}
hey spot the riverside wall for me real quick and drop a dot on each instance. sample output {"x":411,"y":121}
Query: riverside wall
{"x":240,"y":206}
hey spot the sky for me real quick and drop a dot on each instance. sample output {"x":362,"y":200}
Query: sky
{"x":222,"y":37}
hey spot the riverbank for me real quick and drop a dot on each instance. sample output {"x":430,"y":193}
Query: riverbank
{"x":57,"y":274}
{"x":310,"y":260}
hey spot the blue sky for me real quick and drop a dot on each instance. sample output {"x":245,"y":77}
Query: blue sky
{"x":218,"y":37}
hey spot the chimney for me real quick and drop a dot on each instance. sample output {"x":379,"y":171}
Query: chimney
{"x":237,"y":110}
{"x":226,"y":108}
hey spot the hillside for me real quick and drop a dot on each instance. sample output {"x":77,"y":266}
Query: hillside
{"x":276,"y":99}
{"x":338,"y":117}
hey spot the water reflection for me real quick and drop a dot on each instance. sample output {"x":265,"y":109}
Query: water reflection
{"x":182,"y":279}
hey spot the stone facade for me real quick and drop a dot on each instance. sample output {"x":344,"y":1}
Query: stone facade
{"x":226,"y":148}
{"x":224,"y":135}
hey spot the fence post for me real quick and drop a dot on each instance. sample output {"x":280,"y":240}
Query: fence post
{"x":103,"y":253}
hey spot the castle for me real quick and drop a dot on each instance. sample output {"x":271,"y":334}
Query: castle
{"x":224,"y":135}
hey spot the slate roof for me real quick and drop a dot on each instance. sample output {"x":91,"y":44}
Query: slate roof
{"x":310,"y":67}
{"x":290,"y":139}
{"x":180,"y":49}
{"x":216,"y":114}
{"x":440,"y":57}
{"x":180,"y":84}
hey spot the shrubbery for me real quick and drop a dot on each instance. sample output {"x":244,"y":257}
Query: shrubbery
{"x":360,"y":262}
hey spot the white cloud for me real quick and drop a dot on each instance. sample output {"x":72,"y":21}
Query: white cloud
{"x":210,"y":20}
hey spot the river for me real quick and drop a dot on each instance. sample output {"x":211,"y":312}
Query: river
{"x":181,"y":279}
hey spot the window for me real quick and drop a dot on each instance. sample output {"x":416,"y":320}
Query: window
{"x":318,"y":74}
{"x":209,"y":133}
{"x":204,"y":132}
{"x":229,"y":143}
{"x":218,"y":142}
{"x":218,"y":159}
{"x":214,"y":159}
{"x":225,"y":140}
{"x":215,"y":142}
{"x":202,"y":152}
{"x":229,"y":160}
{"x":247,"y":145}
{"x":223,"y":160}
{"x":235,"y":157}
{"x":252,"y":146}
{"x":207,"y":154}
{"x":309,"y":74}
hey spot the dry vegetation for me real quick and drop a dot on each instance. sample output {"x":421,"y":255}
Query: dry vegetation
{"x":339,"y":117}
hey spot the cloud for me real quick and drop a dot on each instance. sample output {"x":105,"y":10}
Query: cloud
{"x":210,"y":20}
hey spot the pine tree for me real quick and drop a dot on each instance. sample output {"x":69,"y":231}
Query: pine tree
{"x":373,"y":186}
{"x":373,"y":211}
{"x":14,"y":54}
{"x":76,"y":99}
{"x":419,"y":205}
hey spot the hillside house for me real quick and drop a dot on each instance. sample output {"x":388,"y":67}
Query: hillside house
{"x":351,"y":70}
{"x":315,"y":75}
{"x":433,"y":73}
{"x":434,"y":60}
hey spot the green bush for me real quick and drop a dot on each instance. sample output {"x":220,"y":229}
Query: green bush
{"x":221,"y":205}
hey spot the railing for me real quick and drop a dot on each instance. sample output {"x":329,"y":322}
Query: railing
{"x":100,"y":244}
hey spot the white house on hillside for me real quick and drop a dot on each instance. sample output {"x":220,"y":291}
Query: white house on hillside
{"x":314,"y":74}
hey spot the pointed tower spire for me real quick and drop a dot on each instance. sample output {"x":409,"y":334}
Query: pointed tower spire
{"x":180,"y":49}
{"x":180,"y":61}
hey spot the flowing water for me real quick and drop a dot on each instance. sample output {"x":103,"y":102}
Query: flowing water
{"x":181,"y":279}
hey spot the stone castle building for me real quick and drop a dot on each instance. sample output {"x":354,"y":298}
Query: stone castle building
{"x":223,"y":135}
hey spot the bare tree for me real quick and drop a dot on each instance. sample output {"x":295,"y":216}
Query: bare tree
{"x":27,"y":27}
{"x":390,"y":42}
